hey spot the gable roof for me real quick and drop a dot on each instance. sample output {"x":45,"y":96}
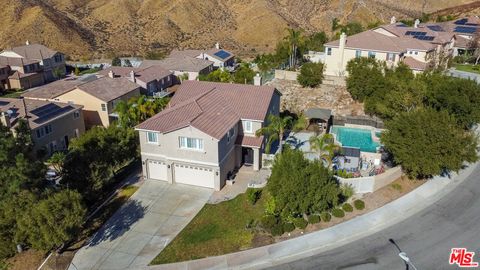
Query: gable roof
{"x":414,"y":64}
{"x":57,"y":88}
{"x":145,"y":74}
{"x":107,"y":89}
{"x":180,"y":63}
{"x":16,"y":62}
{"x":318,"y":113}
{"x":34,"y":51}
{"x":215,"y":53}
{"x":39,"y":112}
{"x":213,"y":108}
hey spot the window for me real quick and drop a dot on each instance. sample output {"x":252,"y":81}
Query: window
{"x":329,"y":51}
{"x":416,"y":53}
{"x":104,"y":107}
{"x":191,"y":143}
{"x":40,"y":132}
{"x":230,"y":134}
{"x":247,"y":126}
{"x":152,"y":137}
{"x":358,"y":54}
{"x":391,"y":57}
{"x":58,"y":58}
{"x":48,"y":129}
{"x":371,"y":55}
{"x":76,"y":114}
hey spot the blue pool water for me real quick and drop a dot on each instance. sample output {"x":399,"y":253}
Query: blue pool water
{"x":355,"y":137}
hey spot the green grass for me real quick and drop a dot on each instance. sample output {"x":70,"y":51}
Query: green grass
{"x":468,"y":68}
{"x":90,"y":71}
{"x":217,"y":229}
{"x":13,"y":94}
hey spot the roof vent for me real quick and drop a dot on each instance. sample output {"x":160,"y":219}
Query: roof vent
{"x":217,"y":46}
{"x":393,"y":20}
{"x":417,"y":22}
{"x":27,"y":42}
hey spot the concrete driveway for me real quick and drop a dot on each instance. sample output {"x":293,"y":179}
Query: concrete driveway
{"x":142,"y":227}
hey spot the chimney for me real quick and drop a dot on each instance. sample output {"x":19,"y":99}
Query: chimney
{"x":5,"y":119}
{"x":417,"y":22}
{"x":257,"y":80}
{"x":341,"y":48}
{"x":132,"y":76}
{"x":111,"y":74}
{"x":27,"y":43}
{"x":217,"y":46}
{"x":393,"y":20}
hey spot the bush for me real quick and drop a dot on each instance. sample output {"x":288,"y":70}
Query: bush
{"x":253,"y":195}
{"x":288,"y":227}
{"x":326,"y":217}
{"x":268,"y":222}
{"x":300,"y":223}
{"x":277,"y":230}
{"x":311,"y":75}
{"x":337,"y":212}
{"x":347,"y":207}
{"x":359,"y":204}
{"x":347,"y":191}
{"x":312,"y":219}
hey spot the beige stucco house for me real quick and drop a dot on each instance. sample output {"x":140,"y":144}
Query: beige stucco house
{"x":182,"y":65}
{"x":206,"y":133}
{"x":98,"y":96}
{"x":221,"y":58}
{"x":53,"y":124}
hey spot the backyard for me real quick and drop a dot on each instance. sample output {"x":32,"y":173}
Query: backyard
{"x":468,"y":68}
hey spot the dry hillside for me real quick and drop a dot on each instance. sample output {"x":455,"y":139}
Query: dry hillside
{"x":96,"y":28}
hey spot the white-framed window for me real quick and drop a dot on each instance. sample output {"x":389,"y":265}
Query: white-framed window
{"x":152,"y":137}
{"x":329,"y":51}
{"x":391,"y":57}
{"x":191,"y":143}
{"x":230,"y":134}
{"x":358,"y":53}
{"x":247,"y":126}
{"x":104,"y":107}
{"x":76,"y":114}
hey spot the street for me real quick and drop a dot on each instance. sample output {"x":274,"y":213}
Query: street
{"x":427,"y":237}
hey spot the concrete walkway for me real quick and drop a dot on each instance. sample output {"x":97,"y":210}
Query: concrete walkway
{"x":333,"y":237}
{"x":142,"y":227}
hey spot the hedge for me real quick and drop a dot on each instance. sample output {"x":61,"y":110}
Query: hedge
{"x":337,"y":212}
{"x":288,"y":227}
{"x":359,"y":204}
{"x":312,"y":219}
{"x":277,"y":230}
{"x":326,"y":217}
{"x":347,"y":207}
{"x":300,"y":223}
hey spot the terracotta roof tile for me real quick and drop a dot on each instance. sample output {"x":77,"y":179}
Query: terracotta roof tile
{"x":414,"y":64}
{"x":249,"y":141}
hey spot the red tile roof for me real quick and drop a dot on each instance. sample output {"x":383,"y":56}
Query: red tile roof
{"x":213,"y":108}
{"x":414,"y":64}
{"x":146,"y":75}
{"x":249,"y":141}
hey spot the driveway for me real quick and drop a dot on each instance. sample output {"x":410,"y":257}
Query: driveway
{"x":137,"y":232}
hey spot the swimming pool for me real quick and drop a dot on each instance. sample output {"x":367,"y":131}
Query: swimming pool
{"x":356,"y":137}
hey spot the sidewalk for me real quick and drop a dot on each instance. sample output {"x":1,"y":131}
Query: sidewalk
{"x":333,"y":237}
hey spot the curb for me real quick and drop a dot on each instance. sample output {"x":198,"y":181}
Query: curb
{"x":332,"y":237}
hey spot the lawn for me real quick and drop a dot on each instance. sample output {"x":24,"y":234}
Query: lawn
{"x":13,"y":94}
{"x":468,"y":68}
{"x":217,"y":229}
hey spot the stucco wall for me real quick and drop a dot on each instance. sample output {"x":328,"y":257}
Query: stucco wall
{"x":286,"y":75}
{"x":372,"y":183}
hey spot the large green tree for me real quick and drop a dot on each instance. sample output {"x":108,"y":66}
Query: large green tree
{"x":427,"y":142}
{"x":324,"y":146}
{"x":218,"y":75}
{"x":244,"y":74}
{"x":311,"y":75}
{"x":139,"y":109}
{"x":275,"y":130}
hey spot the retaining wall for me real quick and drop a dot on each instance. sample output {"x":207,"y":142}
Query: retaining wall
{"x":372,"y":183}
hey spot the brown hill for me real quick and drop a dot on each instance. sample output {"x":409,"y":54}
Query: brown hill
{"x":100,"y":28}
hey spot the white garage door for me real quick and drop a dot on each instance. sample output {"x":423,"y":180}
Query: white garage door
{"x":193,"y":175}
{"x":157,"y":170}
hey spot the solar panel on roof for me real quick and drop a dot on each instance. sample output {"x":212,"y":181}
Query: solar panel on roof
{"x":3,"y":103}
{"x":429,"y":38}
{"x":408,"y":33}
{"x":222,"y":54}
{"x":461,"y":22}
{"x":436,"y":28}
{"x":420,"y":33}
{"x":464,"y":29}
{"x":52,"y":113}
{"x":40,"y":111}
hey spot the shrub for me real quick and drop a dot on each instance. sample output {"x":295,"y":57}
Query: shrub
{"x":277,"y":230}
{"x":396,"y":186}
{"x":347,"y":191}
{"x":253,"y":195}
{"x":268,"y":222}
{"x":288,"y":227}
{"x":311,"y":74}
{"x":326,"y":217}
{"x":347,"y":207}
{"x":300,"y":223}
{"x":337,"y":212}
{"x":312,"y":219}
{"x":359,"y":204}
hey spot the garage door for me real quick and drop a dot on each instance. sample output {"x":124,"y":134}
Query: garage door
{"x":157,"y":170}
{"x":193,"y":175}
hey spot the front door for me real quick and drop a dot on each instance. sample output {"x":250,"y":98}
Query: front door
{"x":66,"y":141}
{"x":247,"y":156}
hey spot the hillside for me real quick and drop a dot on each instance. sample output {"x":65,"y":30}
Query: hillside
{"x":100,"y":28}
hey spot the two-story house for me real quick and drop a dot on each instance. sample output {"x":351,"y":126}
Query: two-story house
{"x":207,"y":132}
{"x":52,"y":62}
{"x":22,"y":73}
{"x":4,"y":73}
{"x":221,"y":58}
{"x":53,"y":124}
{"x":98,"y":96}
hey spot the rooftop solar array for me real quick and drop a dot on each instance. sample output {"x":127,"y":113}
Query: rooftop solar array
{"x":414,"y":33}
{"x":436,"y":28}
{"x":4,"y":103}
{"x":428,"y":38}
{"x":49,"y":111}
{"x":461,"y":22}
{"x":465,"y":29}
{"x":222,"y":54}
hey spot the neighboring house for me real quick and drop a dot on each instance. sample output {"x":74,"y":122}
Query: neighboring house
{"x":53,"y":124}
{"x":52,"y":63}
{"x":182,"y":65}
{"x":207,"y":132}
{"x":23,"y":73}
{"x":314,"y":57}
{"x":98,"y":96}
{"x":418,"y":46}
{"x":153,"y":79}
{"x":221,"y":58}
{"x":4,"y":73}
{"x":348,"y":160}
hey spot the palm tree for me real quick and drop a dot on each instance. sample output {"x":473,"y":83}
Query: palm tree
{"x":294,"y":39}
{"x":324,"y":146}
{"x":274,"y":130}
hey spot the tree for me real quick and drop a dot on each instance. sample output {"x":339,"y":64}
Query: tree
{"x":116,"y":62}
{"x":324,"y":146}
{"x":365,"y":77}
{"x":244,"y":74}
{"x":53,"y":220}
{"x":56,"y":161}
{"x":127,"y":63}
{"x":274,"y":130}
{"x":474,"y":46}
{"x":294,"y":39}
{"x":335,"y":24}
{"x":139,"y":109}
{"x":218,"y":75}
{"x":76,"y":71}
{"x":315,"y":42}
{"x":428,"y":142}
{"x":300,"y":186}
{"x":311,"y":75}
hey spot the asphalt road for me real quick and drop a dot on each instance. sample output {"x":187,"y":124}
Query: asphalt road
{"x":427,"y":237}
